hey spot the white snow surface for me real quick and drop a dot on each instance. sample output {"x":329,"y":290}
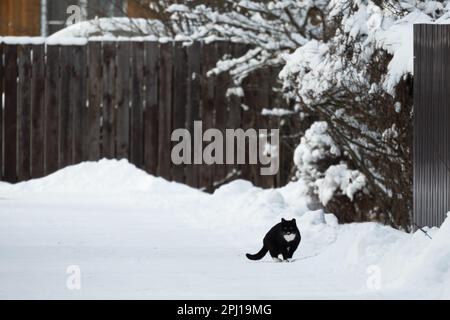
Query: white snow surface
{"x":135,"y":236}
{"x":112,"y":29}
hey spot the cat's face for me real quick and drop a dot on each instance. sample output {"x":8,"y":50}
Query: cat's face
{"x":288,"y":227}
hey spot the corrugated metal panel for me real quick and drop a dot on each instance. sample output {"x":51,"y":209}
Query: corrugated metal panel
{"x":431,"y":121}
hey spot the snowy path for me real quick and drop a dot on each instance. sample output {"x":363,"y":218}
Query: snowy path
{"x":134,"y":236}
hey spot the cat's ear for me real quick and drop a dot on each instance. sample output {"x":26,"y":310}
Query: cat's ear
{"x":282,"y":220}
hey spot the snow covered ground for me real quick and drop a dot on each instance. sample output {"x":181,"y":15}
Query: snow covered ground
{"x":135,"y":236}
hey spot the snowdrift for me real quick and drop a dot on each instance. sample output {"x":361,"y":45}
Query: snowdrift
{"x":139,"y":236}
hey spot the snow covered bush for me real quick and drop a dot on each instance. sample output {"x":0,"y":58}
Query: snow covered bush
{"x":358,"y":80}
{"x":313,"y":157}
{"x":270,"y":28}
{"x":321,"y":165}
{"x":315,"y":147}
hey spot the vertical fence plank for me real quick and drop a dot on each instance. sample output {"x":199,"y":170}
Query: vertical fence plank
{"x":122,"y":98}
{"x":2,"y":77}
{"x":194,"y":55}
{"x":221,"y":111}
{"x":179,"y":101}
{"x":10,"y":116}
{"x":38,"y":112}
{"x":276,"y":100}
{"x":165,"y":107}
{"x":95,"y":95}
{"x":78,"y":102}
{"x":262,"y":100}
{"x":248,"y":122}
{"x":51,"y":109}
{"x":24,"y":113}
{"x":108,"y":108}
{"x":65,"y":112}
{"x":207,"y":112}
{"x":234,"y":117}
{"x":151,"y":107}
{"x":137,"y":105}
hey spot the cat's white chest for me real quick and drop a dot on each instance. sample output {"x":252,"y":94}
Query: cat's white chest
{"x":289,"y":237}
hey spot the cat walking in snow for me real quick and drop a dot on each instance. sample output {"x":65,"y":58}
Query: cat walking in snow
{"x":282,"y":240}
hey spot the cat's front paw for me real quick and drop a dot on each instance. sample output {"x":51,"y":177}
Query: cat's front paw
{"x":289,"y":260}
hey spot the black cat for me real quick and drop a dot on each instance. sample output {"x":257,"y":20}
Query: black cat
{"x":283,"y":239}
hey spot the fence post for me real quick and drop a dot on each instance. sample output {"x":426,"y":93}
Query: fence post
{"x":194,"y":85}
{"x":151,"y":107}
{"x":137,"y":105}
{"x":38,"y":112}
{"x":24,"y":113}
{"x":207,"y":111}
{"x":165,"y":110}
{"x":179,"y":101}
{"x":108,"y":108}
{"x":95,"y":95}
{"x":65,"y":112}
{"x":221,"y":111}
{"x":122,"y":98}
{"x":10,"y":114}
{"x":79,"y":100}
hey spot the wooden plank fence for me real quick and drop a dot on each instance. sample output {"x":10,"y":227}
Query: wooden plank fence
{"x":66,"y":104}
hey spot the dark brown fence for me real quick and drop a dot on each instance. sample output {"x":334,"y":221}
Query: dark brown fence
{"x":431,"y":124}
{"x":67,"y":104}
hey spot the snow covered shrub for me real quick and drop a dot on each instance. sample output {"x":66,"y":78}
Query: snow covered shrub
{"x":315,"y":153}
{"x":322,"y":166}
{"x":271,"y":28}
{"x":358,"y":80}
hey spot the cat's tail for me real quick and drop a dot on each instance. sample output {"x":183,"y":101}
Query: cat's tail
{"x":258,"y":255}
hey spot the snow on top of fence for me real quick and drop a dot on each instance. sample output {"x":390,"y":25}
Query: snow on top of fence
{"x":80,"y":41}
{"x":22,"y":40}
{"x":110,"y":29}
{"x":42,"y":40}
{"x":76,"y":41}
